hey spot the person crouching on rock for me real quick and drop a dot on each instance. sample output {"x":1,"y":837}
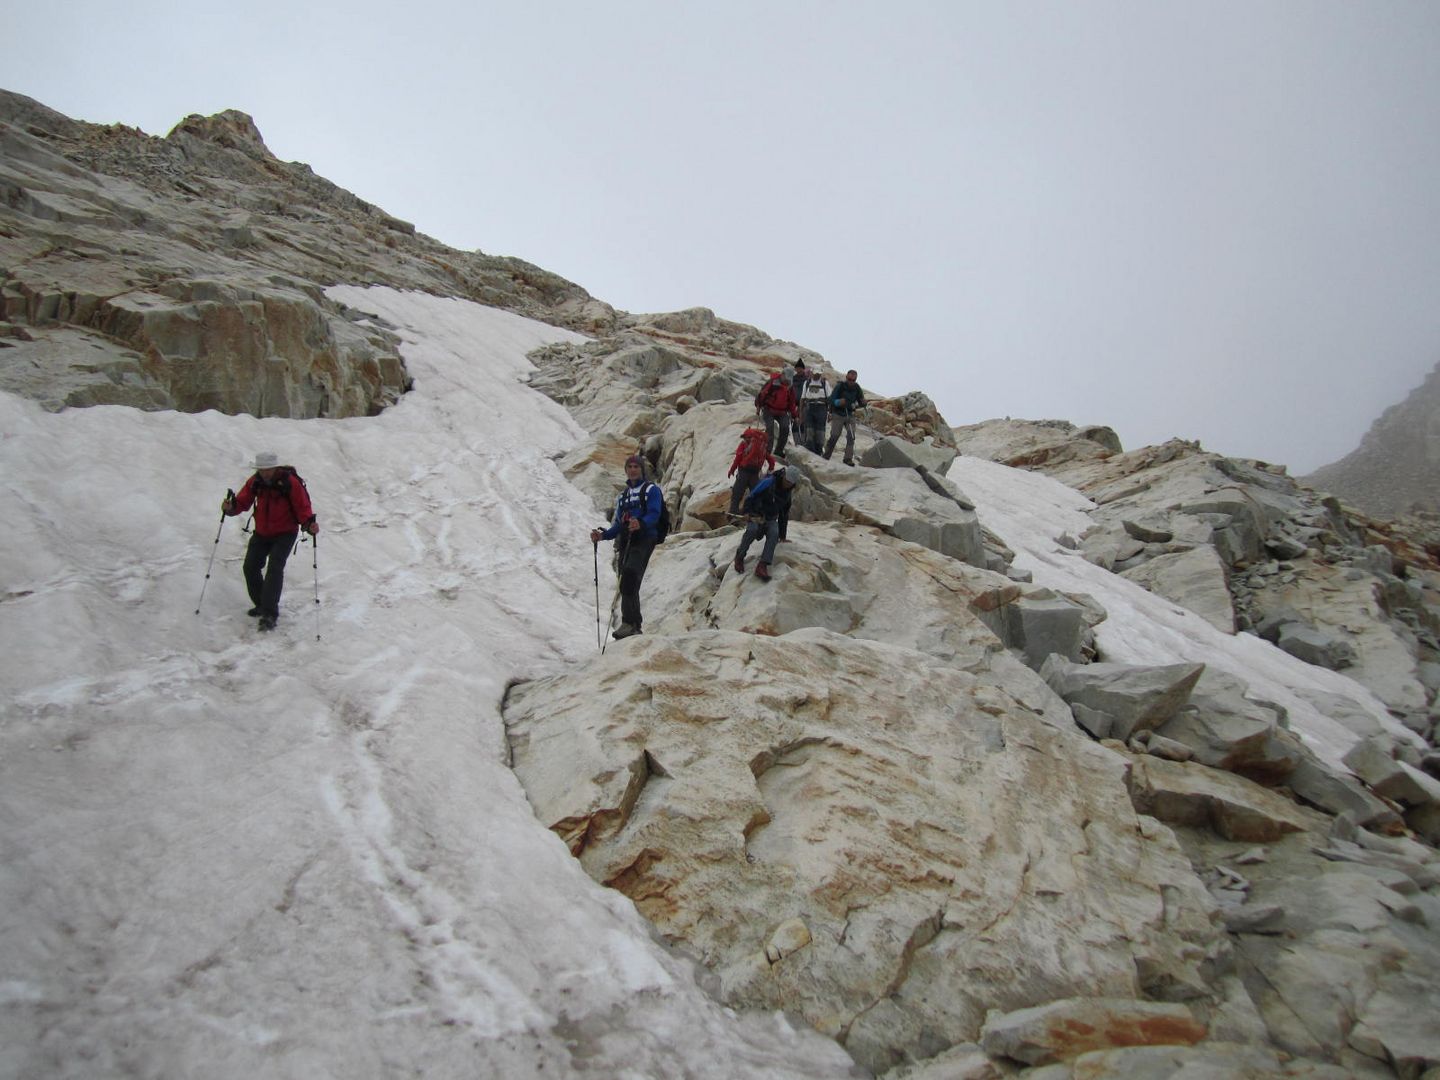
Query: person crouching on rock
{"x":282,"y":509}
{"x":768,"y":506}
{"x":632,"y":527}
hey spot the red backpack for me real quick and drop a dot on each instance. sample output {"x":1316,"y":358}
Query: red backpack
{"x":751,"y":451}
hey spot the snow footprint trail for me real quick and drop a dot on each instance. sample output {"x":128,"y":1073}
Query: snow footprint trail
{"x":232,"y":854}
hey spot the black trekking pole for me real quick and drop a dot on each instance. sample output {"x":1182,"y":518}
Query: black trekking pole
{"x":315,"y":565}
{"x":598,"y":640}
{"x":229,"y":497}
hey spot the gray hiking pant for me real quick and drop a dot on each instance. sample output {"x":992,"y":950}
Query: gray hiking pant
{"x":839,"y":422}
{"x":771,"y":528}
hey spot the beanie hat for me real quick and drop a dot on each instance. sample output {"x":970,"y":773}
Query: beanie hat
{"x":266,"y":459}
{"x":635,"y":459}
{"x":792,"y":474}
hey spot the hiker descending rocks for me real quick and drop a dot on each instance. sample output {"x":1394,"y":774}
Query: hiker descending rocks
{"x":768,"y":507}
{"x":634,"y":528}
{"x":814,"y":407}
{"x":844,"y":400}
{"x":778,"y":406}
{"x":749,"y":456}
{"x":282,"y":509}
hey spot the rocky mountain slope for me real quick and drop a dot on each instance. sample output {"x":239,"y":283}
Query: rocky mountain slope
{"x":902,"y":790}
{"x":1396,"y":468}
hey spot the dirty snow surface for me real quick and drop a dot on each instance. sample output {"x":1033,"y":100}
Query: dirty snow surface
{"x":301,"y":854}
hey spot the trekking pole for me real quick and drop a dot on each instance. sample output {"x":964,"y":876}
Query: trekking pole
{"x":229,"y":495}
{"x":595,"y":544}
{"x":315,"y":565}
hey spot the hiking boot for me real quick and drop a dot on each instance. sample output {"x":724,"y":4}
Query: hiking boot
{"x":625,"y":630}
{"x":850,"y":463}
{"x":826,"y":455}
{"x":762,"y":571}
{"x":254,"y":613}
{"x":739,"y":565}
{"x":267,"y":622}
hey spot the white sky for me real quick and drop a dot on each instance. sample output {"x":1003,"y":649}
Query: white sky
{"x":1216,"y":221}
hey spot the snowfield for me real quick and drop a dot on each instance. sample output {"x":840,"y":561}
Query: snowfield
{"x":235,"y":855}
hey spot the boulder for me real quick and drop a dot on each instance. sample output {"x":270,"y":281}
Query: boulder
{"x":1194,"y":579}
{"x":1314,"y":646}
{"x":1373,"y":761}
{"x":1113,"y":701}
{"x":1183,"y":793}
{"x":729,"y":783}
{"x":1227,"y":730}
{"x":1040,"y":625}
{"x":893,"y":452}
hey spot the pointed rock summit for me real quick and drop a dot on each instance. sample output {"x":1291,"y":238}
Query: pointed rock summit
{"x":231,"y":129}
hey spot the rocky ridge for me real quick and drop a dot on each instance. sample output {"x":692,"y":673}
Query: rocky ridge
{"x":1394,"y":470}
{"x":896,"y":790}
{"x":828,"y":787}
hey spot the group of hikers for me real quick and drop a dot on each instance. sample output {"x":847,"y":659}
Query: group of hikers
{"x":802,"y":400}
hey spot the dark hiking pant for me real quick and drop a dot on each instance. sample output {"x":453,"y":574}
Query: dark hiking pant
{"x":634,"y":555}
{"x":265,"y":570}
{"x":770,"y":529}
{"x":775,"y":443}
{"x":746,"y":477}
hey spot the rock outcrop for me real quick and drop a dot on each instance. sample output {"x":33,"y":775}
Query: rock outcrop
{"x":1246,"y":547}
{"x":187,"y":272}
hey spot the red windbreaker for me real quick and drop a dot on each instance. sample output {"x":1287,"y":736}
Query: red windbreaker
{"x":282,"y":504}
{"x":777,"y":396}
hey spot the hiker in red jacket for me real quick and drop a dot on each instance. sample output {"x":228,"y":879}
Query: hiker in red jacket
{"x":749,"y":456}
{"x":777,"y":404}
{"x":282,"y":509}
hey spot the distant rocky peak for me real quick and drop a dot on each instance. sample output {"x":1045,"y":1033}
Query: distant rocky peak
{"x":1394,"y":469}
{"x":231,"y":129}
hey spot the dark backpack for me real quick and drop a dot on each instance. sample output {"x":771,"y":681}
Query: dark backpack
{"x":662,"y":527}
{"x":753,"y":495}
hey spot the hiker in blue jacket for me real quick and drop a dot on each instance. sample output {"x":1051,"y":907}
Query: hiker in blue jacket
{"x":768,"y":507}
{"x":632,"y":527}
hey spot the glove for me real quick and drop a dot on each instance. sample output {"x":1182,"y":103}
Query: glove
{"x":312,"y":527}
{"x":595,"y":535}
{"x":227,"y":504}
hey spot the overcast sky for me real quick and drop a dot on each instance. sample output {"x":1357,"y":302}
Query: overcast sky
{"x":1217,"y":220}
